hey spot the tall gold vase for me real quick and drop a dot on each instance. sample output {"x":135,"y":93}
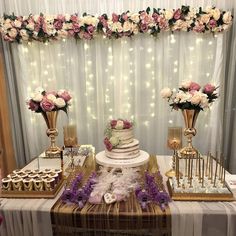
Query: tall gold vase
{"x":190,"y":117}
{"x":51,"y":121}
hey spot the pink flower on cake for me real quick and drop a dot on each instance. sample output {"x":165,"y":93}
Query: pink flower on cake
{"x":113,"y":124}
{"x":127,"y":124}
{"x":108,"y":144}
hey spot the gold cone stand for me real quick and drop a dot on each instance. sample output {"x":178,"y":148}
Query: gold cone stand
{"x":190,"y":117}
{"x":51,"y":121}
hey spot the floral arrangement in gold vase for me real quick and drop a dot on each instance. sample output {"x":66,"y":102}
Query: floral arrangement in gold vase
{"x":49,"y":104}
{"x":191,"y":98}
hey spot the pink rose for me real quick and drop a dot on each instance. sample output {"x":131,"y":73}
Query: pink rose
{"x":144,"y":27}
{"x":156,"y":17}
{"x":33,"y":106}
{"x":209,"y":88}
{"x":115,"y":17}
{"x":177,"y":14}
{"x":199,"y":28}
{"x":61,"y":17}
{"x":71,"y":32}
{"x":74,"y":18}
{"x":125,"y":17}
{"x":58,"y":24}
{"x":76,"y":27}
{"x":212,"y":23}
{"x":113,"y":124}
{"x":47,"y":105}
{"x":108,"y":144}
{"x":90,"y":29}
{"x":64,"y":95}
{"x":194,"y":86}
{"x":127,"y":124}
{"x":87,"y":36}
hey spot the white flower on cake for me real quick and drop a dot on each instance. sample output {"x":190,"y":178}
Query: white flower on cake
{"x":114,"y":141}
{"x":119,"y":124}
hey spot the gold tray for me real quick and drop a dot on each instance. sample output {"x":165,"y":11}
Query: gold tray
{"x":32,"y":194}
{"x":208,"y":197}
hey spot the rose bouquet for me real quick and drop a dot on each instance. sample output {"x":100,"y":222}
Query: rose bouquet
{"x":42,"y":101}
{"x":190,"y":96}
{"x":110,"y":140}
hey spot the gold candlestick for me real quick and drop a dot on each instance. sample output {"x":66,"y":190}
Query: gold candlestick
{"x":203,"y":171}
{"x":174,"y":142}
{"x":207,"y":164}
{"x":215,"y":174}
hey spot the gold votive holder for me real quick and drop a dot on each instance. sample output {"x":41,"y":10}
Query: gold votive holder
{"x":28,"y":184}
{"x":49,"y":184}
{"x":7,"y":184}
{"x":17,"y":184}
{"x":70,"y":136}
{"x":38,"y":184}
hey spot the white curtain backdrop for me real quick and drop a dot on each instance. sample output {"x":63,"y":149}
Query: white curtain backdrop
{"x":118,"y":78}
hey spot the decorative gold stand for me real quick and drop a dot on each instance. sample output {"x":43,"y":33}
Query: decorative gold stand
{"x":190,"y":117}
{"x":51,"y":119}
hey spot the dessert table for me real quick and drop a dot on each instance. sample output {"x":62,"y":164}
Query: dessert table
{"x":48,"y":217}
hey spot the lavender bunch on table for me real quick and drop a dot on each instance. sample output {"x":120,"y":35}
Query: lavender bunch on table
{"x":82,"y":194}
{"x":69,"y":194}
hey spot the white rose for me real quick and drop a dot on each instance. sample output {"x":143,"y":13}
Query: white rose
{"x":59,"y":102}
{"x":36,"y":17}
{"x":166,"y":93}
{"x":62,"y":33}
{"x":135,"y":17}
{"x":191,"y":14}
{"x":12,"y":33}
{"x":208,"y":9}
{"x":7,"y":24}
{"x":67,"y":17}
{"x":205,"y":18}
{"x":37,"y":97}
{"x":127,"y":26}
{"x":196,"y":98}
{"x":227,"y":17}
{"x":51,"y":97}
{"x":50,"y":18}
{"x":135,"y":29}
{"x":186,"y":84}
{"x":182,"y":97}
{"x":114,"y":141}
{"x":67,"y":26}
{"x":24,"y":34}
{"x":89,"y":20}
{"x":180,"y":25}
{"x":204,"y":102}
{"x":30,"y":26}
{"x":116,"y":27}
{"x":39,"y":90}
{"x":17,"y":23}
{"x":119,"y":124}
{"x":169,"y":14}
{"x":215,"y":13}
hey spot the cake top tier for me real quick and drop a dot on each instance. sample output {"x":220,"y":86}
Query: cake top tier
{"x":118,"y":132}
{"x":120,"y":124}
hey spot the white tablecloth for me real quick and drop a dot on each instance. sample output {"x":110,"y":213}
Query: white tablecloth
{"x":31,"y":217}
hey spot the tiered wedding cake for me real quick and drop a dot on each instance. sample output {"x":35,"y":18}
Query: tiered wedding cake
{"x":121,"y":149}
{"x":120,"y":142}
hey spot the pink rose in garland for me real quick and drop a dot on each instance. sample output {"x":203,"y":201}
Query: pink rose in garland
{"x":42,"y":101}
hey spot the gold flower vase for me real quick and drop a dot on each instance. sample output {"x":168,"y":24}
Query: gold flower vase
{"x":190,"y":117}
{"x":51,"y":121}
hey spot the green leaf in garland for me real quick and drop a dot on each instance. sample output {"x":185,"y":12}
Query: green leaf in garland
{"x":84,"y":14}
{"x":148,"y":10}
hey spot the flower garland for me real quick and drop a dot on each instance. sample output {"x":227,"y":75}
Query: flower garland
{"x":55,"y":27}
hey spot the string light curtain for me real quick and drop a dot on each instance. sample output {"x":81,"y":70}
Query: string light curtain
{"x":118,"y":78}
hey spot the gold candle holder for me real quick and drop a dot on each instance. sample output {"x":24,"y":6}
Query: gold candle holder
{"x":70,"y":136}
{"x":174,"y":142}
